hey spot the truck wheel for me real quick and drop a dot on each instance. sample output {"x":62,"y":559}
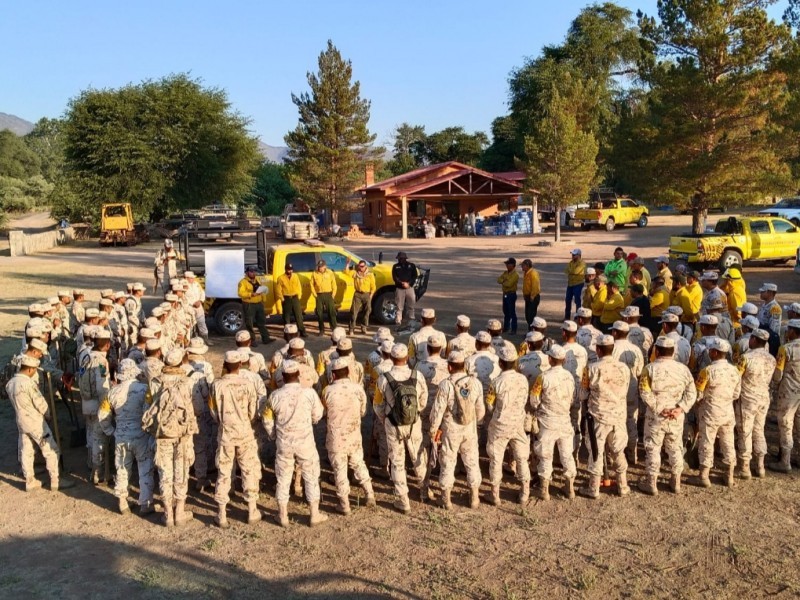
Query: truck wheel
{"x":642,"y":222}
{"x":384,"y":309}
{"x":610,"y":224}
{"x":730,"y":258}
{"x":229,"y":318}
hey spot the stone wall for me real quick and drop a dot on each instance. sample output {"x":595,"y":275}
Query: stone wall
{"x":23,"y":244}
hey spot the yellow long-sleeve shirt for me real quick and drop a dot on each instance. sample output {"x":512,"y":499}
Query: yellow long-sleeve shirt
{"x":683,"y":300}
{"x":695,"y":297}
{"x":599,"y":300}
{"x":659,"y":301}
{"x":247,"y":291}
{"x":531,"y":287}
{"x":576,"y":272}
{"x":509,"y":281}
{"x":323,"y":283}
{"x":364,"y":283}
{"x":612,"y":309}
{"x":589,"y":292}
{"x":288,"y":286}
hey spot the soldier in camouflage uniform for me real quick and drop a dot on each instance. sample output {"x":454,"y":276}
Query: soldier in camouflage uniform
{"x":787,"y":380}
{"x":483,"y":364}
{"x":628,"y":353}
{"x":667,"y":390}
{"x":78,"y":310}
{"x":506,"y":401}
{"x":604,"y":391}
{"x":324,"y":357}
{"x":257,"y":364}
{"x":94,"y":385}
{"x":556,"y":405}
{"x":463,"y":339}
{"x":418,"y":341}
{"x":170,"y":419}
{"x":748,"y":325}
{"x":299,"y":355}
{"x":587,"y":333}
{"x":534,"y":362}
{"x":700,"y":357}
{"x":120,"y":417}
{"x":639,"y":336}
{"x":403,"y":438}
{"x":345,"y":404}
{"x":718,"y":385}
{"x":201,"y":376}
{"x":434,"y":370}
{"x":457,"y":408}
{"x":288,"y":418}
{"x":233,"y":403}
{"x":756,"y":366}
{"x":670,"y":323}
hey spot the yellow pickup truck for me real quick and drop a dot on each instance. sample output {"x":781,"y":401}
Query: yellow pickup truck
{"x":735,"y":240}
{"x":223,"y":268}
{"x":608,"y":211}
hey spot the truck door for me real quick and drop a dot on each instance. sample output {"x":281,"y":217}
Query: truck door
{"x":760,"y":239}
{"x":786,"y":238}
{"x":337,"y":262}
{"x":304,"y":263}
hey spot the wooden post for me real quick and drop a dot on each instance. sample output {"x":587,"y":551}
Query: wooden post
{"x":404,"y":220}
{"x":535,"y":215}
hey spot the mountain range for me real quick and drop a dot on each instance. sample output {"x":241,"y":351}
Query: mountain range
{"x":276,"y":154}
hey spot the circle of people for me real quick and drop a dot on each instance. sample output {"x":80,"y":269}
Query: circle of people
{"x":702,"y":369}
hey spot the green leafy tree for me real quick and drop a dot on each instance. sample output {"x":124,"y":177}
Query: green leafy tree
{"x":272,"y":189}
{"x":506,"y":148}
{"x":707,"y":130}
{"x":162,"y":145}
{"x":451,"y":143}
{"x":331,"y":143}
{"x":561,"y":158}
{"x":47,"y":142}
{"x":16,"y":159}
{"x":407,"y":139}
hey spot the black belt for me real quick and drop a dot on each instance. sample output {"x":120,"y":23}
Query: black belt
{"x":289,"y":297}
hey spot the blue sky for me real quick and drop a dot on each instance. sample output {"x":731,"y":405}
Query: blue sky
{"x":436,"y":63}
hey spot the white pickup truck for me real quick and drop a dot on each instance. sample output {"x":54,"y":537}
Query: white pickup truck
{"x":788,"y":208}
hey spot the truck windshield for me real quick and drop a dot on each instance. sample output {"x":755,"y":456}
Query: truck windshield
{"x":300,"y":218}
{"x":115,"y":211}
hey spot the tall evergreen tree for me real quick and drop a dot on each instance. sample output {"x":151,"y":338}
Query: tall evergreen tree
{"x":331,"y":143}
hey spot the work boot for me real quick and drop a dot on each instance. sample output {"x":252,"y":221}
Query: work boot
{"x":370,"y":502}
{"x":760,"y":467}
{"x":222,"y":517}
{"x":364,"y":330}
{"x":298,"y":484}
{"x":543,"y":490}
{"x":729,"y":479}
{"x":169,"y":515}
{"x":95,"y":476}
{"x":592,"y":488}
{"x":425,"y":492}
{"x":446,"y":503}
{"x":321,"y":331}
{"x":124,"y":508}
{"x":147,"y":508}
{"x":202,"y":483}
{"x":649,"y":485}
{"x":344,"y":506}
{"x":675,"y":484}
{"x":402,"y":504}
{"x":474,"y":497}
{"x":494,"y":499}
{"x":622,"y":484}
{"x":282,"y":518}
{"x":783,"y":466}
{"x":316,"y":516}
{"x":703,"y":479}
{"x":571,"y":489}
{"x":253,"y":514}
{"x":350,"y":330}
{"x":181,"y":514}
{"x":744,"y":469}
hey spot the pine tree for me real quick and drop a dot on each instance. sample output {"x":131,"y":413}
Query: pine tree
{"x":331,"y":143}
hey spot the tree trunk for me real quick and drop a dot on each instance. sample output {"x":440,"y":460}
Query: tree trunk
{"x":699,"y":219}
{"x":558,"y":225}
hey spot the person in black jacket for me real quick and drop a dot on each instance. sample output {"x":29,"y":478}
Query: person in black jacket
{"x":404,"y":274}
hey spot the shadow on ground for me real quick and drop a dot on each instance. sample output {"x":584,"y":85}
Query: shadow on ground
{"x":64,"y":566}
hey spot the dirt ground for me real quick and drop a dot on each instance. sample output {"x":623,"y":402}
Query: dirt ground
{"x":715,"y":543}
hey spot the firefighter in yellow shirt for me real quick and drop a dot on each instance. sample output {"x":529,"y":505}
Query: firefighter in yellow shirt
{"x":288,"y":292}
{"x":588,"y":288}
{"x":659,"y":297}
{"x":508,"y":282}
{"x":695,"y":292}
{"x":612,"y":307}
{"x":364,"y":288}
{"x":253,"y":306}
{"x":599,"y":299}
{"x":735,"y":288}
{"x":531,"y":290}
{"x":576,"y":278}
{"x":323,"y":288}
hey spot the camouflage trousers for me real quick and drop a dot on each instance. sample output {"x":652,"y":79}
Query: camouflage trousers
{"x":611,"y":439}
{"x":27,"y":452}
{"x":245,"y":455}
{"x":307,"y":458}
{"x":750,"y":421}
{"x":204,"y":444}
{"x":459,"y":441}
{"x":496,"y":444}
{"x":788,"y":419}
{"x":544,"y":447}
{"x":141,"y":450}
{"x":353,"y":458}
{"x":173,"y":459}
{"x":668,"y":433}
{"x":402,"y":440}
{"x":709,"y":432}
{"x":96,"y":441}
